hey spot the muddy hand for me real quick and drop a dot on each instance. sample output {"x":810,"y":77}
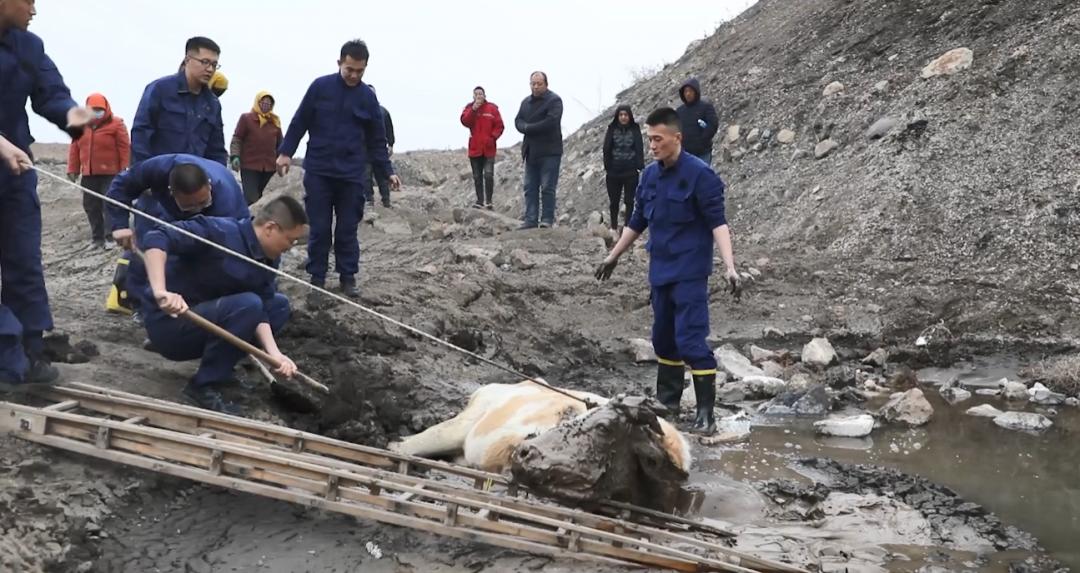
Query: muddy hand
{"x":734,"y":285}
{"x":603,"y":272}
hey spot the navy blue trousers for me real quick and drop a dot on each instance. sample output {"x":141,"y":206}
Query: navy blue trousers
{"x":681,"y":325}
{"x":24,"y":304}
{"x":181,"y":339}
{"x":327,"y":199}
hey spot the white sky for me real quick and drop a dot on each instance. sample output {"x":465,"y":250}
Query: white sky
{"x":426,"y":56}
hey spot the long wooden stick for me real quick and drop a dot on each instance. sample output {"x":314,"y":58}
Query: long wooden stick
{"x":248,"y":347}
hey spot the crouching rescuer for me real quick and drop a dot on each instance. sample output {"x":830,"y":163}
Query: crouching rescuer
{"x":234,"y":294}
{"x":681,"y":201}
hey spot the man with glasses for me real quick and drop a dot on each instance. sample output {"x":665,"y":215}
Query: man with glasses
{"x":180,"y":186}
{"x":180,"y":113}
{"x":236,"y":295}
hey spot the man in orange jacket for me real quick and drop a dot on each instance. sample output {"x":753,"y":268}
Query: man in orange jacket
{"x":100,"y":154}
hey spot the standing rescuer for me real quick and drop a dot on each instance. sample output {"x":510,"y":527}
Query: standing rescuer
{"x":681,"y":201}
{"x":344,"y":123}
{"x":103,"y":151}
{"x":26,"y":72}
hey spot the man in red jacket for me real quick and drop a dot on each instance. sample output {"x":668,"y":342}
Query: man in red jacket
{"x":485,"y":127}
{"x":100,"y":154}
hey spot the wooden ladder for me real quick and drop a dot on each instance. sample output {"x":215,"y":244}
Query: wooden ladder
{"x":437,"y":497}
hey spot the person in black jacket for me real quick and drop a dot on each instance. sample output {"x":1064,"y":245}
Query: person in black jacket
{"x":540,"y":120}
{"x":699,"y":121}
{"x":624,"y":158}
{"x":371,"y":180}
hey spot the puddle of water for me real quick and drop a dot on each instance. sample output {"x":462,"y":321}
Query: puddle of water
{"x":1030,"y":481}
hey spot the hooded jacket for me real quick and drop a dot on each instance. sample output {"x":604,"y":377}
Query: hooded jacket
{"x":104,"y":148}
{"x":697,"y":140}
{"x":485,"y":128}
{"x":624,"y":150}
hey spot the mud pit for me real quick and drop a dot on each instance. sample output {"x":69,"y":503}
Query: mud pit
{"x":454,"y":274}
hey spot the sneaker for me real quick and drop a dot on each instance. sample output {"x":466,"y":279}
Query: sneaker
{"x":545,"y":225}
{"x":477,"y":206}
{"x":348,"y":288}
{"x":490,"y":206}
{"x":204,"y":396}
{"x":527,"y":226}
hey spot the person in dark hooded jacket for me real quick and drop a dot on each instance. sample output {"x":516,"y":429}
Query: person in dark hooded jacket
{"x":624,"y":158}
{"x":699,"y":121}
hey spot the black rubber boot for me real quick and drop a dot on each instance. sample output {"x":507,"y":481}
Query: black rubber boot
{"x":669,"y":387}
{"x":705,"y":391}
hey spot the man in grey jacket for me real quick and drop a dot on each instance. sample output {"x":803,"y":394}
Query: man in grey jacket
{"x":540,"y":120}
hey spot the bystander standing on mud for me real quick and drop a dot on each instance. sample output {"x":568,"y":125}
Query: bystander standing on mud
{"x":485,"y":125}
{"x":624,"y":158}
{"x":540,"y":120}
{"x":103,"y":151}
{"x":699,"y":121}
{"x":253,"y":150}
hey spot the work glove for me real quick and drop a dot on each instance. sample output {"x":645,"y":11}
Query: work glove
{"x":234,"y":162}
{"x":603,"y":272}
{"x":701,"y":123}
{"x":73,"y":177}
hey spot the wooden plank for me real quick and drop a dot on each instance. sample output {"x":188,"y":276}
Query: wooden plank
{"x":62,"y":406}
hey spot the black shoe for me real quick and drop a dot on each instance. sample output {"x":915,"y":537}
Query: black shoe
{"x":490,"y":206}
{"x":321,"y":283}
{"x":705,"y":392}
{"x":527,"y":226}
{"x":206,"y":397}
{"x":348,"y":288}
{"x":386,"y":203}
{"x":669,"y":387}
{"x":477,"y":206}
{"x":41,"y":373}
{"x":546,"y":225}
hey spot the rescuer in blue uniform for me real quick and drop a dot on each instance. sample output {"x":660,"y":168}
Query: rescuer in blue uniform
{"x":681,"y":201}
{"x":180,"y":186}
{"x":344,"y":123}
{"x":234,"y":294}
{"x":179,"y":113}
{"x":26,"y":72}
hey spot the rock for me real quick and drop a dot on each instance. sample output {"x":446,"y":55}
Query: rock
{"x":732,"y":392}
{"x":985,"y":411}
{"x":824,"y":148}
{"x":847,"y":427}
{"x":818,"y":352}
{"x":772,"y":333}
{"x":841,"y":376}
{"x":772,"y":369}
{"x":799,"y":154}
{"x":643,"y":350}
{"x":763,"y":387}
{"x":909,"y":408}
{"x":1073,"y":402}
{"x":758,"y":354}
{"x":832,"y":89}
{"x":955,"y":394}
{"x":882,"y":127}
{"x":732,"y":134}
{"x":1025,"y":421}
{"x":734,"y":363}
{"x":877,"y":358}
{"x":754,"y":272}
{"x":754,"y":136}
{"x":1014,"y":391}
{"x":881,"y":86}
{"x":785,"y":136}
{"x":595,"y":218}
{"x":392,"y":227}
{"x":463,"y":253}
{"x":815,"y":402}
{"x":949,"y":63}
{"x":521,"y":260}
{"x":800,"y":382}
{"x":1042,"y":395}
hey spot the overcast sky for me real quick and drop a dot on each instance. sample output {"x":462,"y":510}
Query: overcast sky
{"x":425,"y":56}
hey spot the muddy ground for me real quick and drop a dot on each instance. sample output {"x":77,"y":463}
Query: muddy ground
{"x":525,"y":299}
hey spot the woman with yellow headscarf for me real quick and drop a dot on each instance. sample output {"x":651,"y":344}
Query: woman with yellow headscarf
{"x":254,"y":146}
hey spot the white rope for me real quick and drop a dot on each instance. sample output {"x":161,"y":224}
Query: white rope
{"x":302,"y":282}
